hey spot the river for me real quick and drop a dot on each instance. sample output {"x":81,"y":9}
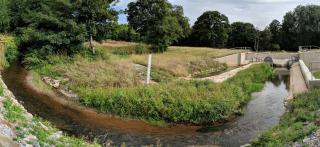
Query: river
{"x":260,"y":114}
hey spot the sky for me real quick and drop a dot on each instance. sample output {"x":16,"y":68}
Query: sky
{"x":258,"y":12}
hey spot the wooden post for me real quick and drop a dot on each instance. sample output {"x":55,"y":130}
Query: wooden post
{"x":149,"y":69}
{"x":91,"y":45}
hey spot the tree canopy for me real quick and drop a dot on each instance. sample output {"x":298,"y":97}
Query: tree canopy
{"x":158,"y":22}
{"x":96,"y":15}
{"x":47,"y":27}
{"x":211,"y":29}
{"x":4,"y":16}
{"x":242,"y":34}
{"x":301,"y":27}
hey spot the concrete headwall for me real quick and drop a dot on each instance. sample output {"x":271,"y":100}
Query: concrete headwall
{"x":233,"y":60}
{"x":309,"y":57}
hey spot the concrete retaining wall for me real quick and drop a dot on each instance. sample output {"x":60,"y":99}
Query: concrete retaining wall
{"x":275,"y":55}
{"x":309,"y":57}
{"x":233,"y":60}
{"x":311,"y":81}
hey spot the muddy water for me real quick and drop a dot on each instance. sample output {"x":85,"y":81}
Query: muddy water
{"x":260,"y":114}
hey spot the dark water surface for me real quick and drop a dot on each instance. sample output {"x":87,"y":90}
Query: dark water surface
{"x":261,"y":113}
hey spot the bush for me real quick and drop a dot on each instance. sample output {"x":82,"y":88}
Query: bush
{"x":10,"y":50}
{"x":129,"y":50}
{"x":195,"y":102}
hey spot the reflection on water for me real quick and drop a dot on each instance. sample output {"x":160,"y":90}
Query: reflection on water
{"x":260,"y":114}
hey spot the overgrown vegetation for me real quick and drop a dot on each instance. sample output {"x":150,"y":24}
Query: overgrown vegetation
{"x":301,"y":120}
{"x":317,"y":74}
{"x":171,"y":101}
{"x":43,"y":130}
{"x":8,"y":51}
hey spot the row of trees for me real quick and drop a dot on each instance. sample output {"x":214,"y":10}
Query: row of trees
{"x":161,"y":24}
{"x":61,"y":26}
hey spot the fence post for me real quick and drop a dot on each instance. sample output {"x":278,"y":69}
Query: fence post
{"x":149,"y":69}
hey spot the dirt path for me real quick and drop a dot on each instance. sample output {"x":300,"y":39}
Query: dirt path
{"x":224,"y":76}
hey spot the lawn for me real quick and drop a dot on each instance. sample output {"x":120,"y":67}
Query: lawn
{"x":301,"y":120}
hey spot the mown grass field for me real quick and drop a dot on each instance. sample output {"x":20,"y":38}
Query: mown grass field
{"x":301,"y":120}
{"x":108,"y":82}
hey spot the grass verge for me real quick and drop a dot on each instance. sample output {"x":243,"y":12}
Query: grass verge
{"x":301,"y":120}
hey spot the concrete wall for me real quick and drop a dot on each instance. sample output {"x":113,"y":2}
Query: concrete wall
{"x":309,"y":57}
{"x":274,"y":55}
{"x":311,"y":81}
{"x":233,"y":60}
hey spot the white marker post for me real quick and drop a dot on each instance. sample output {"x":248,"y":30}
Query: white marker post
{"x":149,"y":69}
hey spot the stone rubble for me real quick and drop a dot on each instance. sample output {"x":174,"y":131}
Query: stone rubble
{"x":312,"y":140}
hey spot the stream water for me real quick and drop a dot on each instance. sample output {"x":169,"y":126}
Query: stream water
{"x":261,"y":113}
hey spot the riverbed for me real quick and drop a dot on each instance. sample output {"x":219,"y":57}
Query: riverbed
{"x":260,"y":114}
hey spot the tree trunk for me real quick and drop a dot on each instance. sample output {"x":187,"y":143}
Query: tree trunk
{"x":91,"y":45}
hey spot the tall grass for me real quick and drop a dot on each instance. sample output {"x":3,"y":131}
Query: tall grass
{"x":195,"y":102}
{"x":300,"y":121}
{"x":94,"y":74}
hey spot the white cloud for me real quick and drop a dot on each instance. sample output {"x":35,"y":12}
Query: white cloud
{"x":258,"y":12}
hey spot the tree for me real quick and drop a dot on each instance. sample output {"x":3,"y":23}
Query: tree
{"x":211,"y":29}
{"x":4,"y":16}
{"x":158,"y":22}
{"x":265,"y":37}
{"x":275,"y":29}
{"x":96,"y":15}
{"x":301,"y":27}
{"x":46,"y":27}
{"x":123,"y":32}
{"x":242,"y":35}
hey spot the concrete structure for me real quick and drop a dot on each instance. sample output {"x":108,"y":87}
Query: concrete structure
{"x":234,"y":59}
{"x":310,"y":80}
{"x":297,"y":82}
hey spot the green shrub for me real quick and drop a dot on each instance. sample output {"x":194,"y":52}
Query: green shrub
{"x":304,"y":110}
{"x":129,"y":50}
{"x":10,"y":50}
{"x":195,"y":102}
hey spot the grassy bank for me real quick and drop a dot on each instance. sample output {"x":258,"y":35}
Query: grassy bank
{"x":175,"y":101}
{"x":301,"y":120}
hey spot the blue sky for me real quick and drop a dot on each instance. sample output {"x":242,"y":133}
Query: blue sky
{"x":258,"y":12}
